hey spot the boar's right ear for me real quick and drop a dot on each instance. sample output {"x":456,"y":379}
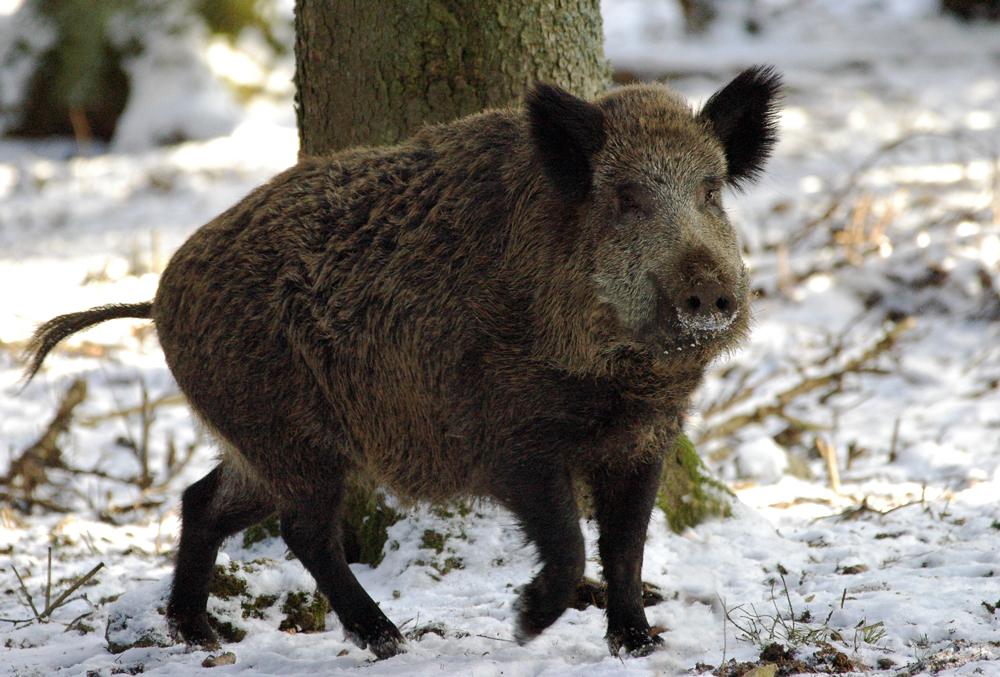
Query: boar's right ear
{"x":744,"y":115}
{"x":567,"y":132}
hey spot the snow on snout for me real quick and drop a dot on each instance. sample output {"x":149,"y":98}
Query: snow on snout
{"x":709,"y":322}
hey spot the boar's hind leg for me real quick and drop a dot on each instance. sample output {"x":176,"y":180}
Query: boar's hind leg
{"x":311,"y":529}
{"x":213,"y":508}
{"x":540,"y":494}
{"x":623,"y":500}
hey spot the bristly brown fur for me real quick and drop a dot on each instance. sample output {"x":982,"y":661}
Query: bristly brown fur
{"x":495,"y":307}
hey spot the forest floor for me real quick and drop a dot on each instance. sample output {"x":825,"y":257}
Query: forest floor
{"x":858,"y":427}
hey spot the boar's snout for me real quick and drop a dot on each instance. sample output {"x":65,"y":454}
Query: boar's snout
{"x":705,"y":305}
{"x":708,"y":307}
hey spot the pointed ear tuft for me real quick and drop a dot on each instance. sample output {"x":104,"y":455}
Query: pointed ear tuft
{"x":567,"y":132}
{"x":744,"y":115}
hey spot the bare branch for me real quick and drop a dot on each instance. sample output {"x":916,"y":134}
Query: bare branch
{"x":45,"y":453}
{"x":62,"y":598}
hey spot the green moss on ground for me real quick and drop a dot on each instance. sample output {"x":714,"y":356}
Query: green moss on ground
{"x":227,"y":632}
{"x":688,"y":493}
{"x":304,"y":612}
{"x":255,"y":607}
{"x":366,"y":526}
{"x":269,"y":528}
{"x":432,"y":540}
{"x":225,"y":585}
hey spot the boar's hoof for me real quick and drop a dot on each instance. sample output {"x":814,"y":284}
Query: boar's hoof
{"x":196,"y":631}
{"x":524,"y":630}
{"x":636,"y":641}
{"x":535,"y":612}
{"x":387,"y":647}
{"x":384,"y":644}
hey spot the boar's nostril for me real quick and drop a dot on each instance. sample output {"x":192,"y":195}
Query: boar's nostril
{"x":706,"y":306}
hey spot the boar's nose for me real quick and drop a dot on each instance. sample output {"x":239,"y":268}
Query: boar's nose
{"x":705,"y":306}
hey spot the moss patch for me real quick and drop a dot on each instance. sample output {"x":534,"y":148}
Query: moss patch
{"x":448,"y":565}
{"x":123,"y":633}
{"x":254,"y":608}
{"x":458,"y":506}
{"x":432,"y":540}
{"x":225,"y":585}
{"x":368,"y":518}
{"x":269,"y":528}
{"x":304,"y":612}
{"x":688,"y":493}
{"x":227,"y":632}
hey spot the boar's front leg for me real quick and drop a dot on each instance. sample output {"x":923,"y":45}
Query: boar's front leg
{"x":538,"y":490}
{"x":311,"y":528}
{"x":623,"y":501}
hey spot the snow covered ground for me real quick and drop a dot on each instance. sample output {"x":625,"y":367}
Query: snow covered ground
{"x":875,"y":245}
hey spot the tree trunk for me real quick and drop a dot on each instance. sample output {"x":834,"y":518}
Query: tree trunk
{"x":972,"y":10}
{"x":373,"y":72}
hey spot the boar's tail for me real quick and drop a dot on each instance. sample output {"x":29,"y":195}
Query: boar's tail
{"x":48,"y":335}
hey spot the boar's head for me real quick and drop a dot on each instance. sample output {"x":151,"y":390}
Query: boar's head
{"x":647,"y":176}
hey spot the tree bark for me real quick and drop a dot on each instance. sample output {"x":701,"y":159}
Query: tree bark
{"x":373,"y":72}
{"x":972,"y":10}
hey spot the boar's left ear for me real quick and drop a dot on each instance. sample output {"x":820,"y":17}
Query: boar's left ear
{"x":566,"y":132}
{"x":744,"y":115}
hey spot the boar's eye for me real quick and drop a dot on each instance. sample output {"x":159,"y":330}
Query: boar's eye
{"x":632,"y":199}
{"x":712,"y":192}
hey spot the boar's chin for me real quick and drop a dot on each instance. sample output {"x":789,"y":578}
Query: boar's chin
{"x":701,"y":340}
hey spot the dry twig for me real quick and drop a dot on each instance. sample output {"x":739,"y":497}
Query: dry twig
{"x":45,"y":453}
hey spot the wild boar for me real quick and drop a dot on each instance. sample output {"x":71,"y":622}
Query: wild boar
{"x":498,"y":307}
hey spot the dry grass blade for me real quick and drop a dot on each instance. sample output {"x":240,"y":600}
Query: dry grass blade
{"x":27,"y":594}
{"x":829,"y":454}
{"x":53,"y":605}
{"x":62,"y":598}
{"x":854,"y":180}
{"x":48,"y":581}
{"x":29,"y":471}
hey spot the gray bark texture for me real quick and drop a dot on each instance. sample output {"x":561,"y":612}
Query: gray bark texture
{"x":373,"y":72}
